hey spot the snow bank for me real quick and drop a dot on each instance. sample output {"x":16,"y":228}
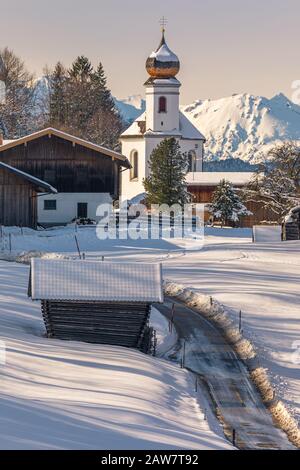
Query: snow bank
{"x":220,"y":317}
{"x":25,"y":256}
{"x":166,"y":339}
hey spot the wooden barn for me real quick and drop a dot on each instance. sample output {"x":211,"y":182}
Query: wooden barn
{"x":19,"y":195}
{"x":203,"y":184}
{"x":96,"y":301}
{"x":84,"y":174}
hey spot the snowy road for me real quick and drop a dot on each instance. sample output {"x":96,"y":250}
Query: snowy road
{"x":237,"y":401}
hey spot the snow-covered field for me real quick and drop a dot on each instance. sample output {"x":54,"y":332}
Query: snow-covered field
{"x":75,"y":384}
{"x":69,"y":395}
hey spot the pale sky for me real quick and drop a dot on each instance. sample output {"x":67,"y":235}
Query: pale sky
{"x":225,"y":47}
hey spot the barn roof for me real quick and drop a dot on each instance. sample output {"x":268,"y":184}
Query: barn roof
{"x":98,"y":281}
{"x":39,"y":184}
{"x":63,"y":135}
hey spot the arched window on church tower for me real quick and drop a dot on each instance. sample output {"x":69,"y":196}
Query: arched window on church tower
{"x":192,"y":161}
{"x":134,"y":161}
{"x":162,"y":104}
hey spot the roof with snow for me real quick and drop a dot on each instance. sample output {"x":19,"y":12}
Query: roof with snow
{"x":39,"y":184}
{"x":187,"y":130}
{"x":213,"y":178}
{"x":163,"y":62}
{"x":163,"y":53}
{"x":95,"y":281}
{"x":63,"y":135}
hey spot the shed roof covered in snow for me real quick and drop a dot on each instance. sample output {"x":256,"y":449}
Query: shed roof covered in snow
{"x":97,"y":281}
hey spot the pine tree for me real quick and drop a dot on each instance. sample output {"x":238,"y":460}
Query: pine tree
{"x":81,"y":103}
{"x":166,"y":183}
{"x":226,"y":204}
{"x":58,"y":107}
{"x":103,"y":94}
{"x":80,"y":96}
{"x":81,"y":69}
{"x":106,"y":124}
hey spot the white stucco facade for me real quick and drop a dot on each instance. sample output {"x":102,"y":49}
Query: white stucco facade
{"x":162,"y":119}
{"x":67,"y":206}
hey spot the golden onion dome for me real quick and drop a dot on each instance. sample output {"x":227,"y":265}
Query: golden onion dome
{"x":163,"y":63}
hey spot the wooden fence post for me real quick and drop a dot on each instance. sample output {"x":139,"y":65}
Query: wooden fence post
{"x":77,"y":244}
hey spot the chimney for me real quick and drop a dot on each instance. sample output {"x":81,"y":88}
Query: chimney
{"x":1,"y":137}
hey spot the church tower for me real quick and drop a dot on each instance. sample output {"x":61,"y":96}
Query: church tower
{"x":162,"y":119}
{"x":162,"y":90}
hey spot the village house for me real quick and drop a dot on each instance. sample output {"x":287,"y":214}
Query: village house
{"x":84,"y":174}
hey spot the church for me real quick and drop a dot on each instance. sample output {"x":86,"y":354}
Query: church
{"x":162,"y":119}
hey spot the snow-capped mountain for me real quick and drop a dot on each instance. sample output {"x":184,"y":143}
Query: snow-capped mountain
{"x":131,"y":107}
{"x":241,"y":126}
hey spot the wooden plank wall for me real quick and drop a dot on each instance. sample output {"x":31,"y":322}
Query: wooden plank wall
{"x":18,"y":204}
{"x":203,"y":194}
{"x":75,"y":168}
{"x":121,"y":324}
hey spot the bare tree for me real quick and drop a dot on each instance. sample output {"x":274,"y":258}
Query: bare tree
{"x":17,"y":106}
{"x":276,"y":184}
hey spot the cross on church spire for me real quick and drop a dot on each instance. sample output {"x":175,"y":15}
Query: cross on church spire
{"x":163,"y":23}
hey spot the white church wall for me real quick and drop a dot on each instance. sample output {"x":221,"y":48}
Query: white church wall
{"x":144,"y":147}
{"x":131,"y":188}
{"x":160,"y":122}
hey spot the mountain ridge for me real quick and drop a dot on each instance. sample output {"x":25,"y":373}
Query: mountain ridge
{"x":238,"y":127}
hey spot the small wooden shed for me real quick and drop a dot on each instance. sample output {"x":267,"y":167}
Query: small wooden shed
{"x":97,"y":301}
{"x":291,"y":225}
{"x":18,"y":196}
